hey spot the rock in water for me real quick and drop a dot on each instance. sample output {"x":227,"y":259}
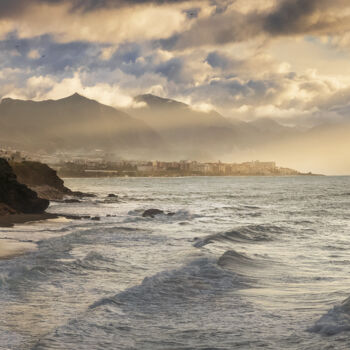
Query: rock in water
{"x":16,"y":195}
{"x":151,"y":213}
{"x":72,"y":200}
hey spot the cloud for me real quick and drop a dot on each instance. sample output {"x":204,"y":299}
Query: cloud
{"x":178,"y":24}
{"x":9,"y":8}
{"x":212,"y":54}
{"x":33,"y":54}
{"x":271,"y":19}
{"x":115,"y":25}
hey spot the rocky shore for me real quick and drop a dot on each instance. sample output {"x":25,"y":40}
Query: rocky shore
{"x":25,"y":191}
{"x":43,"y":180}
{"x":16,"y":197}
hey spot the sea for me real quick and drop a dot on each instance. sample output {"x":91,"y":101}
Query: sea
{"x":233,"y":263}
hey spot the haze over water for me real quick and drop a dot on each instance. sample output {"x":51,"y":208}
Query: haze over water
{"x":245,"y":262}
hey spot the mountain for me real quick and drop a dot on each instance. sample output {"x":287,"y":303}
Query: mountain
{"x":191,"y":134}
{"x":261,"y":132}
{"x":205,"y":135}
{"x":323,"y":149}
{"x":161,"y":129}
{"x":74,"y":123}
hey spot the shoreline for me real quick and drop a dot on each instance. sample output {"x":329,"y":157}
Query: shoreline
{"x":193,"y":176}
{"x":12,"y":249}
{"x":11,"y":220}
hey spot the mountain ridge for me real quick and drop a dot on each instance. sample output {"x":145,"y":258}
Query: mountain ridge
{"x":73,"y":122}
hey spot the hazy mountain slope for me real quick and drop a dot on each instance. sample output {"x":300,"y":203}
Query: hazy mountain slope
{"x":324,"y":149}
{"x":162,"y":129}
{"x":200,"y":135}
{"x":72,"y":123}
{"x":192,"y":134}
{"x":261,"y":132}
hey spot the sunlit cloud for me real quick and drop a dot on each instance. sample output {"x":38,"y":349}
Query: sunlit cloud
{"x":246,"y":59}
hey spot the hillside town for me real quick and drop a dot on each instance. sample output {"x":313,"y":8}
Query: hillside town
{"x":181,"y":168}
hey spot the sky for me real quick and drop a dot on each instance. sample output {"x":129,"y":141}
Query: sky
{"x":247,"y":59}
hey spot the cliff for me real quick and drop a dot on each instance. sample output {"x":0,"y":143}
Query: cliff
{"x":17,"y":198}
{"x":40,"y":178}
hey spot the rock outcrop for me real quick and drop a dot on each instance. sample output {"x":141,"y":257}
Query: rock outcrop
{"x":151,"y":213}
{"x":15,"y":197}
{"x":43,"y":180}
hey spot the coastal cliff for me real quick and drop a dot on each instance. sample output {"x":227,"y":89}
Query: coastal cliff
{"x":40,"y":178}
{"x":15,"y":197}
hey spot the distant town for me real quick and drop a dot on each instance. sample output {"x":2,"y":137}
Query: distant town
{"x":69,"y":166}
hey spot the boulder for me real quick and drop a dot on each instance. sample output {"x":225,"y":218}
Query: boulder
{"x":72,"y":200}
{"x":151,"y":213}
{"x":82,"y":194}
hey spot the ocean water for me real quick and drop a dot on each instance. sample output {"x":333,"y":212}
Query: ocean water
{"x":244,"y":263}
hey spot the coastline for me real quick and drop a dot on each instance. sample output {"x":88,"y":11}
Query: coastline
{"x":11,"y":220}
{"x":184,"y":176}
{"x":11,"y":249}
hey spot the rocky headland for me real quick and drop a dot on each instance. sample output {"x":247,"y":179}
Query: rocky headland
{"x":44,"y":181}
{"x":18,"y":203}
{"x":41,"y":179}
{"x":26,"y":189}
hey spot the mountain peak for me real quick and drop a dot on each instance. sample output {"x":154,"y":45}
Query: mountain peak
{"x":76,"y":97}
{"x":7,"y":100}
{"x":154,"y":101}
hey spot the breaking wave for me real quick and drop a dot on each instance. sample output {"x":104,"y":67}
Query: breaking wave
{"x":201,"y":278}
{"x":335,"y":321}
{"x":251,"y":233}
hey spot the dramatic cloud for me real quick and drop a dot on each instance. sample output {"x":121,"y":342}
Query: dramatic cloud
{"x":246,"y":59}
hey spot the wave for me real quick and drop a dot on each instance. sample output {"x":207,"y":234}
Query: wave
{"x":165,"y":311}
{"x":179,"y":215}
{"x":335,"y":321}
{"x":24,"y":275}
{"x":345,"y":194}
{"x":251,"y":233}
{"x":231,"y":258}
{"x":202,"y":278}
{"x":54,"y":256}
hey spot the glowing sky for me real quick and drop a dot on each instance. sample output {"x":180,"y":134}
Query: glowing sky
{"x":287,"y":59}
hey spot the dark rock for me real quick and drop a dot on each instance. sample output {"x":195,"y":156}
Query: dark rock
{"x":6,"y":210}
{"x":16,"y":195}
{"x":82,"y":194}
{"x":96,"y":218}
{"x":151,"y":213}
{"x":72,"y":200}
{"x":76,"y":217}
{"x":112,"y":195}
{"x":44,"y":181}
{"x":41,"y":179}
{"x":170,"y":214}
